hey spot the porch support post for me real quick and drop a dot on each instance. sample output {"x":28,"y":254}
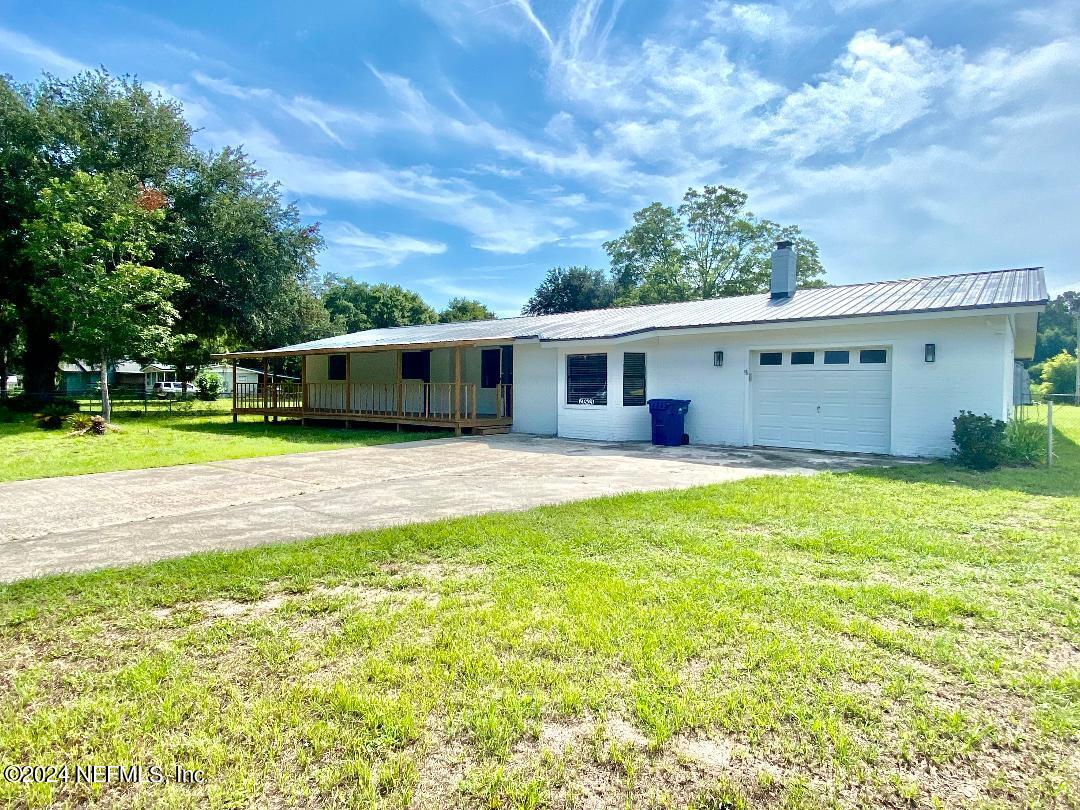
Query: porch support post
{"x":348,"y":385}
{"x":303,"y":389}
{"x":273,"y":388}
{"x":400,"y":389}
{"x":234,"y":391}
{"x":457,"y":390}
{"x":266,"y":388}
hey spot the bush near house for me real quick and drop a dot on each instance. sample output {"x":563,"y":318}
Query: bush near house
{"x":207,"y":385}
{"x":1059,"y":374}
{"x":979,"y":440}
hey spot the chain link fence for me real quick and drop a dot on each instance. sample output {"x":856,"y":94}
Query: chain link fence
{"x":124,"y":399}
{"x":1060,"y":413}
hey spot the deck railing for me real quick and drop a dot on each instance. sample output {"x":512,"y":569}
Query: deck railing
{"x":450,"y":402}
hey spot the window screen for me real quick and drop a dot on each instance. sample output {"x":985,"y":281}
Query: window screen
{"x":489,"y":367}
{"x":837,"y":358}
{"x":633,"y":378}
{"x":802,"y":358}
{"x":771,"y":358}
{"x":586,"y":379}
{"x":335,"y":367}
{"x":416,"y":366}
{"x":872,"y":356}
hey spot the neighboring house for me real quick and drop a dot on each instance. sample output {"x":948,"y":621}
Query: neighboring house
{"x":225,"y":372}
{"x":80,"y":377}
{"x":12,"y":382}
{"x":880,"y":367}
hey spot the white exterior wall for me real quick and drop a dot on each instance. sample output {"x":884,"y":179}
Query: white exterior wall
{"x":535,"y":379}
{"x":973,"y":371}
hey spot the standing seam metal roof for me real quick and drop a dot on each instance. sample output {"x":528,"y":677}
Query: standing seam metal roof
{"x":998,"y":288}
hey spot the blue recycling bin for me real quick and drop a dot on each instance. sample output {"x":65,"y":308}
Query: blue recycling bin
{"x":668,"y":416}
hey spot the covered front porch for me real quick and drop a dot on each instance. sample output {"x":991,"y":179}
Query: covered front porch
{"x":465,"y":387}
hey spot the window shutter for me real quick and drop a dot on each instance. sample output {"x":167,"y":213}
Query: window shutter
{"x":633,"y":378}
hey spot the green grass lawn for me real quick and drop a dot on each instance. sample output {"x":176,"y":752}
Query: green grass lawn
{"x":161,"y":438}
{"x":907,"y":637}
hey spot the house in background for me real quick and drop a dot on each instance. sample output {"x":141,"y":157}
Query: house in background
{"x":79,"y":377}
{"x":249,"y":376}
{"x":881,"y":367}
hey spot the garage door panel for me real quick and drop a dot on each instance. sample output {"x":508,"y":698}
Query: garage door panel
{"x":831,"y":409}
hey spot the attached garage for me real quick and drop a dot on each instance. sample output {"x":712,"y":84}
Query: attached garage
{"x":826,"y":399}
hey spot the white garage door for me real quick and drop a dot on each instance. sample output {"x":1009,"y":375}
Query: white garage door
{"x":825,"y":399}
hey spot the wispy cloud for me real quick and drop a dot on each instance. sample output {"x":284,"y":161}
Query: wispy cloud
{"x":312,"y":112}
{"x":39,"y":54}
{"x":349,"y":247}
{"x":761,"y":22}
{"x":495,"y":223}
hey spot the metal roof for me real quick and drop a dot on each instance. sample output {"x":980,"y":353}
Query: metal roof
{"x":998,"y":288}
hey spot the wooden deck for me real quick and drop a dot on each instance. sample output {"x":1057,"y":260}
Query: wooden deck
{"x":460,"y":407}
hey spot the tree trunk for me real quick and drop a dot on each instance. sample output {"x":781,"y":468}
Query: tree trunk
{"x":42,"y":359}
{"x":106,"y":404}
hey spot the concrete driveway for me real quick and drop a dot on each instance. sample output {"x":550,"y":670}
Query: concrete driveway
{"x":89,"y":521}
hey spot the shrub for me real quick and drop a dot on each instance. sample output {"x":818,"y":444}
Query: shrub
{"x":207,"y":385}
{"x":52,"y":416}
{"x":1042,"y":391}
{"x":1025,"y":442}
{"x":1060,"y":373}
{"x":979,"y":440}
{"x":78,"y":422}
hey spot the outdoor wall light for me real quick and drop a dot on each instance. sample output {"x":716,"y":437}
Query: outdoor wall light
{"x":930,"y":352}
{"x":718,"y":358}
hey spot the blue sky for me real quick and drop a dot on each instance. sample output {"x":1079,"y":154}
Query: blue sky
{"x":463,"y":148}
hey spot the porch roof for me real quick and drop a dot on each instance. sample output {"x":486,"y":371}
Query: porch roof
{"x":967,"y":291}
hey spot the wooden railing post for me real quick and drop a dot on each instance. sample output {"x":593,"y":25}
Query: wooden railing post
{"x":235,"y":389}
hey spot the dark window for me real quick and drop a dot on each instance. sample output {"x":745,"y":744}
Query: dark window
{"x":489,"y":368}
{"x":872,"y":356}
{"x":802,"y":358}
{"x":633,"y":378}
{"x":771,"y":359}
{"x":837,"y":358}
{"x":586,"y":379}
{"x":335,"y":367}
{"x":507,"y":365}
{"x":416,"y":366}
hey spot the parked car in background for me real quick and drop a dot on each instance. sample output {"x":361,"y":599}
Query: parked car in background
{"x":173,"y":389}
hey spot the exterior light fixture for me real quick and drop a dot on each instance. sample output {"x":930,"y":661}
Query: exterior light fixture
{"x":930,"y":352}
{"x":718,"y":358}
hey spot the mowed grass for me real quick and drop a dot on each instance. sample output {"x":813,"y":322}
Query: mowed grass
{"x":907,"y":637}
{"x":159,"y":439}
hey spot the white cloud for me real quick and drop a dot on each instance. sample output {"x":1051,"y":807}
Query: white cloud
{"x":348,"y":246}
{"x":760,"y":21}
{"x":41,"y":55}
{"x":878,"y":86}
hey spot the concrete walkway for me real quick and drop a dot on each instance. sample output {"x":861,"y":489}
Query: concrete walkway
{"x":89,"y":521}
